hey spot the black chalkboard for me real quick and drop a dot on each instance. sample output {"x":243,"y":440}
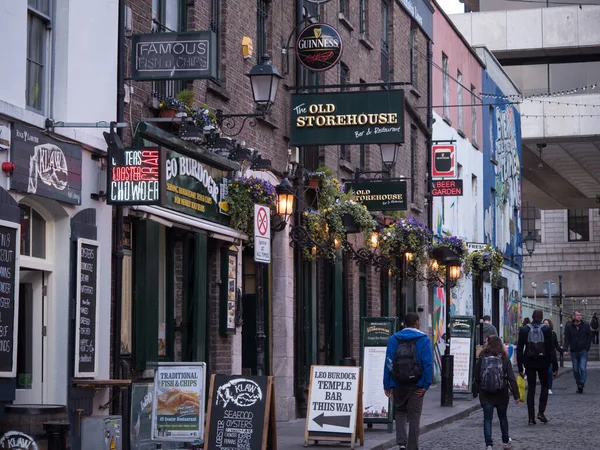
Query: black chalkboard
{"x":239,"y":411}
{"x":87,"y":284}
{"x":8,"y":272}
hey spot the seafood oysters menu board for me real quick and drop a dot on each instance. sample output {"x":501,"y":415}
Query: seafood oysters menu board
{"x":178,"y":403}
{"x":241,"y":413}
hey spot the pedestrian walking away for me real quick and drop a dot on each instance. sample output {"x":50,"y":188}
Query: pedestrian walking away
{"x":407,"y":374}
{"x":535,"y":352}
{"x":494,"y":377}
{"x":578,"y":340}
{"x":595,"y":326}
{"x":558,"y":348}
{"x":488,"y":330}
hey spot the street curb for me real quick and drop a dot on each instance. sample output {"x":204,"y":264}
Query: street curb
{"x":432,"y":426}
{"x":450,"y":419}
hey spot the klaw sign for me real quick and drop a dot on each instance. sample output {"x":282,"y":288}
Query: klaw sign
{"x":262,"y":234}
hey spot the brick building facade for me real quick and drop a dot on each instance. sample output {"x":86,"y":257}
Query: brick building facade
{"x":372,"y":53}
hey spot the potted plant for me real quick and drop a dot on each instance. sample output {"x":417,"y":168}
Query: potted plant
{"x":486,"y":260}
{"x":407,"y":236}
{"x":243,"y":194}
{"x":448,"y":247}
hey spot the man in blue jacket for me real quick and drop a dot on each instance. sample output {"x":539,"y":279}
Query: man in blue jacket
{"x":408,"y":399}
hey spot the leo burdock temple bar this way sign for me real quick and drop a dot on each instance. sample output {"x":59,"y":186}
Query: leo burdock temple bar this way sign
{"x":87,"y":303}
{"x":336,"y":118}
{"x":9,"y":307}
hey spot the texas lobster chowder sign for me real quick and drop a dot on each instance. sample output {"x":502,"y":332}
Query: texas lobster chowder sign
{"x":45,"y":166}
{"x":336,"y":118}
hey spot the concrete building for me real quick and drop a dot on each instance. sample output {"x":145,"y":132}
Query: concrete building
{"x":55,"y":244}
{"x":551,"y":53}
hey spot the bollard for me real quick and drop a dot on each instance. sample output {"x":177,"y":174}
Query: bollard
{"x":447,"y":380}
{"x":57,"y":435}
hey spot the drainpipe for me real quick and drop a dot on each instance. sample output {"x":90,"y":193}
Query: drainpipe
{"x":118,"y":237}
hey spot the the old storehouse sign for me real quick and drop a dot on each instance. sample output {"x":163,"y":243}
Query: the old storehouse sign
{"x":171,"y":56}
{"x":319,"y":47}
{"x":348,"y":118}
{"x":135,"y":177}
{"x":380,"y":196}
{"x":45,"y":166}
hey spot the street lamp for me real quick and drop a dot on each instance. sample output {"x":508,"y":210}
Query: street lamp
{"x":388,"y":154}
{"x":530,"y":243}
{"x":584,"y":302}
{"x":534,"y":286}
{"x":285,"y":200}
{"x":264,"y":80}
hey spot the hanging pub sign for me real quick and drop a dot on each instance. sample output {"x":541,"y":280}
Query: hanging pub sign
{"x":446,"y":188}
{"x":194,"y":188}
{"x":443,"y":159}
{"x":174,"y":56}
{"x":45,"y":166}
{"x":136,"y":177}
{"x":336,"y":118}
{"x":380,"y":195}
{"x":9,"y":296}
{"x":86,"y":334}
{"x":319,"y":47}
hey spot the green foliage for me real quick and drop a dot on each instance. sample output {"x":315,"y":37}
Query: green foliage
{"x":485,"y":260}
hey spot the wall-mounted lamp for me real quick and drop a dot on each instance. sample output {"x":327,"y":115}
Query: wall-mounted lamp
{"x":454,"y":273}
{"x":388,"y":154}
{"x":8,"y":168}
{"x":285,"y":199}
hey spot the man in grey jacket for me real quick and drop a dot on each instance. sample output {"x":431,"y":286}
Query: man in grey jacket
{"x":488,"y":330}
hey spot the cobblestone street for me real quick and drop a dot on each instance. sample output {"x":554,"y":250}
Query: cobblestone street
{"x":572,"y":422}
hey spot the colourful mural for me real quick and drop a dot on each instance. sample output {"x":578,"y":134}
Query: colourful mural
{"x":512,"y":316}
{"x":439,"y":325}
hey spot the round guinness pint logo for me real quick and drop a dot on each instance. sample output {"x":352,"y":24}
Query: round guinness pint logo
{"x":319,"y":47}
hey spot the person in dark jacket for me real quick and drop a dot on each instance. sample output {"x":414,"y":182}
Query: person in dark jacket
{"x":558,"y":348}
{"x":408,"y":400}
{"x":536,"y":366}
{"x":488,"y":330}
{"x":595,"y":326}
{"x":498,"y":400}
{"x":578,"y":340}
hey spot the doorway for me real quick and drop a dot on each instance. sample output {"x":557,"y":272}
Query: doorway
{"x":30,"y":335}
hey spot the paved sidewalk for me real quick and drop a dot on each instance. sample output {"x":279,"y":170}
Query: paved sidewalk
{"x":290,"y":435}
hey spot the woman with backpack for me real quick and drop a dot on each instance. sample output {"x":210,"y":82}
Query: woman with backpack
{"x":558,"y":348}
{"x":494,"y":376}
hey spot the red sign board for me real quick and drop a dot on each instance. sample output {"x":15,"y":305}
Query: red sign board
{"x":446,"y":188}
{"x":443,"y":161}
{"x":134,"y":177}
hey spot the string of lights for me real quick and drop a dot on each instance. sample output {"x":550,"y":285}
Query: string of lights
{"x":559,"y":116}
{"x":559,"y":93}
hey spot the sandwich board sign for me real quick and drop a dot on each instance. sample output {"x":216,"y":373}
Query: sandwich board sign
{"x":335,"y":405}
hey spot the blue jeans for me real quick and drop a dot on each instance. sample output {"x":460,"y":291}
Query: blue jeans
{"x":488,"y":414}
{"x":550,"y":377}
{"x":579,"y":360}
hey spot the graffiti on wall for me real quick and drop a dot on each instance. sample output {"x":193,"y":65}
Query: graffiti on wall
{"x":512,"y":316}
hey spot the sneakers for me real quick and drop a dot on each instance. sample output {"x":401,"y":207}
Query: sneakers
{"x":542,"y":418}
{"x":580,"y":388}
{"x":489,"y":447}
{"x":402,"y":447}
{"x":507,"y":446}
{"x":532,"y":422}
{"x":550,"y":392}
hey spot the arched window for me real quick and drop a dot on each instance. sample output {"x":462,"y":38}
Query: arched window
{"x":33,"y":233}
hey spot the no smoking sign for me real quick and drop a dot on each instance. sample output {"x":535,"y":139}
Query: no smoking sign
{"x":262,"y":234}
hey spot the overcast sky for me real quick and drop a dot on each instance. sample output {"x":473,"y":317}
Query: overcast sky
{"x":452,"y":6}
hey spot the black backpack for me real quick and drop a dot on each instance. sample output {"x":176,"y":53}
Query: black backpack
{"x":536,"y":345}
{"x":492,"y":374}
{"x":406,"y":369}
{"x":594,"y":323}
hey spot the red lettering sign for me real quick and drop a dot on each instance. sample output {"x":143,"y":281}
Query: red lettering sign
{"x":443,"y":188}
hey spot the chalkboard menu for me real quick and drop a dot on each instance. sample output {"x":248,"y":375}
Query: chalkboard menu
{"x":135,"y":177}
{"x":87,"y":303}
{"x":462,"y":347}
{"x":9,"y":254}
{"x":239,"y":413}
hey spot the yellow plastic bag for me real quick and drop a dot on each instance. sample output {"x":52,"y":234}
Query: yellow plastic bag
{"x":521,"y":384}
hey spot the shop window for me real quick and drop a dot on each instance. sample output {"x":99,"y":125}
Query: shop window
{"x":579,"y":225}
{"x":38,"y":26}
{"x":33,"y":233}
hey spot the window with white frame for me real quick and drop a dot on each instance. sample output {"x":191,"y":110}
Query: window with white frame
{"x":473,"y":114}
{"x":38,"y":26}
{"x":446,"y":87}
{"x":459,"y":102}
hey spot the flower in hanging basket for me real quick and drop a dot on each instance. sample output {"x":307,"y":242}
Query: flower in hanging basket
{"x":407,"y":235}
{"x":485,"y":260}
{"x":448,"y":247}
{"x":243,"y":194}
{"x":348,"y":216}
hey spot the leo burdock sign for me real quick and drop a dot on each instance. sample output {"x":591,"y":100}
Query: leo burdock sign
{"x":334,"y":404}
{"x":86,"y":356}
{"x":240,"y":410}
{"x":9,"y":308}
{"x":15,"y":440}
{"x":336,"y":118}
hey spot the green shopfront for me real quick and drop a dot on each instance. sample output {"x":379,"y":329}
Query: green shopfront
{"x":181,"y":263}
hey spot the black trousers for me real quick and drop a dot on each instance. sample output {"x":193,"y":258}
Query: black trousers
{"x":533,"y":374}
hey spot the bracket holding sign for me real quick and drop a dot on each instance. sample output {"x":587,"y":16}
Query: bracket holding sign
{"x":335,"y":405}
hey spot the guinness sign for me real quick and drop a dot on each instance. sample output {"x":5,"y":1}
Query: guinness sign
{"x":319,"y":47}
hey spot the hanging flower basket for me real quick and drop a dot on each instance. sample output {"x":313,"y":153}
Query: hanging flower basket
{"x":407,"y":235}
{"x":167,"y":113}
{"x":448,"y":248}
{"x":349,"y":224}
{"x":487,"y":260}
